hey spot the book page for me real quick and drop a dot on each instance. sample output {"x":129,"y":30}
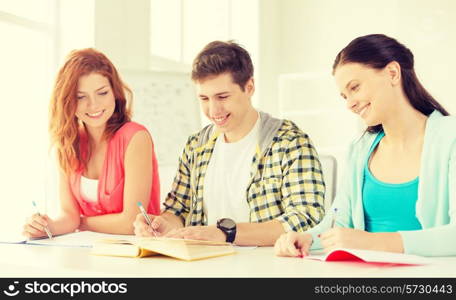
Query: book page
{"x":115,"y":248}
{"x":185,"y":241}
{"x":186,"y":249}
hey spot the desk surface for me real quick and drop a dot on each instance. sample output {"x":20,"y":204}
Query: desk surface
{"x":18,"y":260}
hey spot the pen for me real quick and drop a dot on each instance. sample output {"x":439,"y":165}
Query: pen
{"x":46,"y":229}
{"x":333,"y":221}
{"x":149,"y":222}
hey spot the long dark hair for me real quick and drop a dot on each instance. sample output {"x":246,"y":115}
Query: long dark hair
{"x":378,"y":50}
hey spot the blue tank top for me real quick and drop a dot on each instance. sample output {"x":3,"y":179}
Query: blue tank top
{"x":388,"y":207}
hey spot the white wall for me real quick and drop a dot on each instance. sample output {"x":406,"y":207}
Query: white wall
{"x":312,"y":32}
{"x":300,"y":39}
{"x":267,"y":68}
{"x":122,"y":32}
{"x":305,"y":36}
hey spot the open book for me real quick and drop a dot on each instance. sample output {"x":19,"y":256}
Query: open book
{"x":178,"y":248}
{"x":370,"y":256}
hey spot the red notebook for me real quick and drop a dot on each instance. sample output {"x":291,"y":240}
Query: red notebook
{"x":370,"y":256}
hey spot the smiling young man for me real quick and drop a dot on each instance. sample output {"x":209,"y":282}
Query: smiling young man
{"x":248,"y":177}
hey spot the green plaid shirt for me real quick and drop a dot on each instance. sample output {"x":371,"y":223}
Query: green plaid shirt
{"x":286,"y":178}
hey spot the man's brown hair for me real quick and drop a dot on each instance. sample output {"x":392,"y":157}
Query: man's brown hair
{"x":223,"y":57}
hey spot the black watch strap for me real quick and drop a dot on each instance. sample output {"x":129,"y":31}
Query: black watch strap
{"x":228,"y":227}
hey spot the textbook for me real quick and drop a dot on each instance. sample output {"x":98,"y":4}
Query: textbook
{"x":183,"y":249}
{"x":369,"y":256}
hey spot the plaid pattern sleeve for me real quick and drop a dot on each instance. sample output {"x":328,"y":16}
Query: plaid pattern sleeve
{"x":289,"y":185}
{"x":178,"y":200}
{"x":303,"y":187}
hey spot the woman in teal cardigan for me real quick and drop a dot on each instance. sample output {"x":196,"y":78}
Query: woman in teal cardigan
{"x":399,"y":192}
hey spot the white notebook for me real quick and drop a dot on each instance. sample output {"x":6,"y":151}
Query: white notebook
{"x":76,"y":239}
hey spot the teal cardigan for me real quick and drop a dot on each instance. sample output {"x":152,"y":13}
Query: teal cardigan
{"x":436,"y":204}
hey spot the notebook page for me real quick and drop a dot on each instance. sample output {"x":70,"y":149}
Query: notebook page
{"x":388,"y":257}
{"x":79,"y":239}
{"x":343,"y":254}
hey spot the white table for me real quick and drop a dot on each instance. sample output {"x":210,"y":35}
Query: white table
{"x":19,"y":260}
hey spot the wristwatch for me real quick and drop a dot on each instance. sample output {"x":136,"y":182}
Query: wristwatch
{"x":228,"y":226}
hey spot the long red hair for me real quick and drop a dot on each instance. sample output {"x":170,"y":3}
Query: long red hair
{"x":64,"y":126}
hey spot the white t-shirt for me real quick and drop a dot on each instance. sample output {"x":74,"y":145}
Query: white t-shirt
{"x":227,"y":177}
{"x":89,"y":189}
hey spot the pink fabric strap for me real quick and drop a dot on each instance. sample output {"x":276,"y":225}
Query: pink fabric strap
{"x":111,"y":181}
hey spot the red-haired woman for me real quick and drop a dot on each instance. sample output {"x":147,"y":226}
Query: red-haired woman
{"x":107,"y":163}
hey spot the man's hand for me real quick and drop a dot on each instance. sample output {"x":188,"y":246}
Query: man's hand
{"x":293,"y":244}
{"x":207,"y":233}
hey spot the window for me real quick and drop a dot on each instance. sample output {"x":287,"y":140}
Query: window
{"x":28,"y":61}
{"x":180,"y":29}
{"x":35,"y":35}
{"x":204,"y":21}
{"x":166,"y":28}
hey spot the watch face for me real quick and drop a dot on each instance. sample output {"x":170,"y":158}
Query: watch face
{"x":227,"y":223}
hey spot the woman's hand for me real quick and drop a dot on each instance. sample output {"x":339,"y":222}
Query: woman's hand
{"x":360,"y":239}
{"x":34,"y":226}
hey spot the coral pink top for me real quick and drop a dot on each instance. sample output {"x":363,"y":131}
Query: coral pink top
{"x":112,"y":177}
